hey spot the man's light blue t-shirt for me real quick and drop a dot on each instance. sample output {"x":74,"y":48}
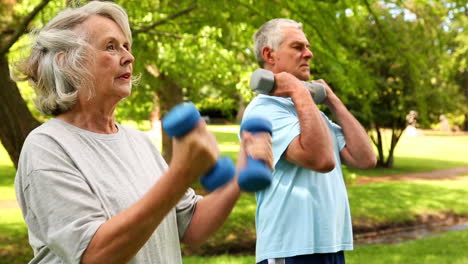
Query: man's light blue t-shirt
{"x":302,"y":211}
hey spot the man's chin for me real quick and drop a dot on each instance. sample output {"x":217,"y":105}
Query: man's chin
{"x":303,"y":76}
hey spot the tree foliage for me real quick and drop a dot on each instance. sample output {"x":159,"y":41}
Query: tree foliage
{"x":383,"y":58}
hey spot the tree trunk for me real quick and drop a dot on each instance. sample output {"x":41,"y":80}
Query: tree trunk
{"x":16,"y":119}
{"x":378,"y":142}
{"x":465,"y":124}
{"x":240,"y":111}
{"x":169,"y":95}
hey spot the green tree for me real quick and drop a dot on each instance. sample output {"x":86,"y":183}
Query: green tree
{"x":17,"y":120}
{"x":185,"y":50}
{"x":381,"y":63}
{"x":457,"y":70}
{"x":401,"y":48}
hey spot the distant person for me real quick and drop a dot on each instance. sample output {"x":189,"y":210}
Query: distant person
{"x":304,"y":215}
{"x":92,"y":190}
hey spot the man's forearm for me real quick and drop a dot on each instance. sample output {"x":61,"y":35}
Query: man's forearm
{"x":312,"y":148}
{"x":357,"y":140}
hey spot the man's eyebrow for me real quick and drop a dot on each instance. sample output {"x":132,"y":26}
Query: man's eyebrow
{"x":300,"y":43}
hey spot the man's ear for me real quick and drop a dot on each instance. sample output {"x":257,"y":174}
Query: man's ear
{"x":268,"y":55}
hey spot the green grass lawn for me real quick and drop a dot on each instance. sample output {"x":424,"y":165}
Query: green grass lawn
{"x":14,"y":246}
{"x":378,"y":203}
{"x":399,"y":202}
{"x":227,"y":139}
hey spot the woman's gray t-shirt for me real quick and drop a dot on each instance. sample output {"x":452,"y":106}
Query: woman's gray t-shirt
{"x":70,"y":181}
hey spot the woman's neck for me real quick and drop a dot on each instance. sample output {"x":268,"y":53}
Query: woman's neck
{"x":95,"y":121}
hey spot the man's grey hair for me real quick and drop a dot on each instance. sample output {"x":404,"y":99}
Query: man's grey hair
{"x":271,"y":35}
{"x":57,"y":67}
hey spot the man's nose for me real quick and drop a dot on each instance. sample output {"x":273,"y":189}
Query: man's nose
{"x":308,"y":54}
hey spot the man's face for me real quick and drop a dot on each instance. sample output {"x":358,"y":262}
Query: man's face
{"x":293,"y":54}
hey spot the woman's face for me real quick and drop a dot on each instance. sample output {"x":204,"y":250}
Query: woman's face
{"x":111,"y":65}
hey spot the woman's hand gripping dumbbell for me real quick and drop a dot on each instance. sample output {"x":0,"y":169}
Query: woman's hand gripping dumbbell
{"x":180,"y":121}
{"x":256,"y":175}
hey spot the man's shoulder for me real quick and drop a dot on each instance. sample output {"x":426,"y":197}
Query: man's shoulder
{"x":266,"y":105}
{"x":264,"y":99}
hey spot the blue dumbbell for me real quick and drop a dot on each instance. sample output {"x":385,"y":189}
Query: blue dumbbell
{"x":180,"y":121}
{"x":257,"y":175}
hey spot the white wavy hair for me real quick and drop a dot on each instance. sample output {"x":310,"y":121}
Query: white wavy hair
{"x":57,"y":66}
{"x":271,"y":34}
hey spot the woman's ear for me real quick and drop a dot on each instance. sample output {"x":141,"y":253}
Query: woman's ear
{"x":268,"y":55}
{"x":59,"y":58}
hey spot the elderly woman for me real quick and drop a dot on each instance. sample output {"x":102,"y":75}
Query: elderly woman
{"x":92,"y":190}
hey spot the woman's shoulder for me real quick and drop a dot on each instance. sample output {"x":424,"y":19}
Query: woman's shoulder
{"x":133,"y":133}
{"x":48,"y":129}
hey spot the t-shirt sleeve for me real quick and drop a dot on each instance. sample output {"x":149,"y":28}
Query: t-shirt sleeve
{"x":184,"y":210}
{"x":62,"y":212}
{"x":60,"y":208}
{"x":338,"y":131}
{"x":284,"y":120}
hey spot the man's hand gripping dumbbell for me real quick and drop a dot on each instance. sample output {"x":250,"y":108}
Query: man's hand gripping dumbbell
{"x":263,"y":81}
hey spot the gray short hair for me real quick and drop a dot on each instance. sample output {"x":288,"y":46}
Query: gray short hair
{"x":56,"y":67}
{"x":271,"y":35}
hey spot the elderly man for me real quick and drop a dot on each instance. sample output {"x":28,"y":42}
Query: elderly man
{"x":304,"y":216}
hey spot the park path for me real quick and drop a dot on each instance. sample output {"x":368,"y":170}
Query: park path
{"x":444,"y":174}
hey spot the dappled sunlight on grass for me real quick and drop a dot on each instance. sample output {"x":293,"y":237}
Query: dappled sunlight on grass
{"x":407,"y":164}
{"x":233,"y":129}
{"x":424,"y":153}
{"x":435,"y":147}
{"x":7,"y":193}
{"x":14,"y":246}
{"x":225,"y":259}
{"x":236,"y":235}
{"x":12,"y":221}
{"x":227,"y":138}
{"x":15,"y":249}
{"x":239,"y":227}
{"x":224,"y":138}
{"x":229,"y":148}
{"x":7,"y":175}
{"x":403,"y":201}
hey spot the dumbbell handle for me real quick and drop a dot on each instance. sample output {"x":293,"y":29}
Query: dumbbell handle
{"x":263,"y":81}
{"x":181,"y":120}
{"x":257,"y":175}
